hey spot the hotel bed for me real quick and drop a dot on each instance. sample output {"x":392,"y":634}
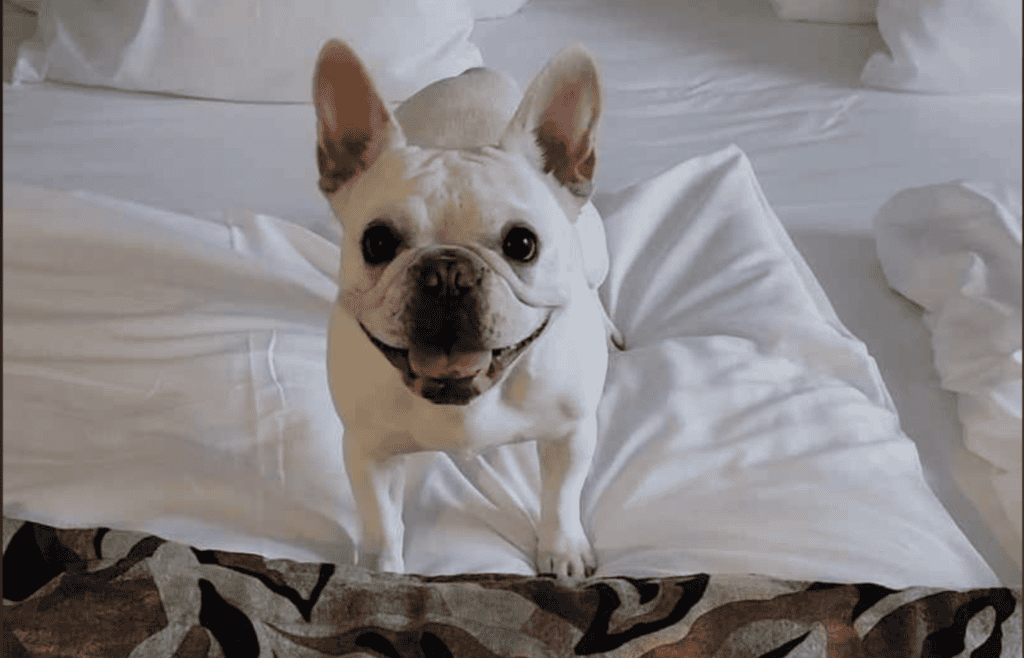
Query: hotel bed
{"x":815,"y":261}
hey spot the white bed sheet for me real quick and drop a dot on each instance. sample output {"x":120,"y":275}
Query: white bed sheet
{"x":161,"y":369}
{"x":681,"y":79}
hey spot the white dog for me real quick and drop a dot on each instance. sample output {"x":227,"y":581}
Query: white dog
{"x":467,"y":315}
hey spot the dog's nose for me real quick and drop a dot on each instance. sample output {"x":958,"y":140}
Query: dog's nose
{"x":446,"y":311}
{"x":448,"y":276}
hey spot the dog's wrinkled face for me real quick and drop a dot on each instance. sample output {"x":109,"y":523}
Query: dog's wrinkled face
{"x":455,"y":270}
{"x":453,"y":261}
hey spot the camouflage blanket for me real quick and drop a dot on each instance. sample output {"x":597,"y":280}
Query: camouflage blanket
{"x":101,"y":592}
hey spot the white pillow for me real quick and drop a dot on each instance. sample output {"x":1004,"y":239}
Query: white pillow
{"x":245,"y":50}
{"x":483,"y":9}
{"x":827,"y":11}
{"x":948,"y":46}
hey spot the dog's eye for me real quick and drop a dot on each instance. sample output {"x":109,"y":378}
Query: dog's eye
{"x":520,"y":244}
{"x":380,"y":244}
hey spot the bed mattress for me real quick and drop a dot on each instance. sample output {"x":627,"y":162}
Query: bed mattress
{"x":682,"y":79}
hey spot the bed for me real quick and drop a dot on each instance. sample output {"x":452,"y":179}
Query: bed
{"x":810,"y":445}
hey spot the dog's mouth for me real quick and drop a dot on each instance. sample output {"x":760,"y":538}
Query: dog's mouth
{"x":453,"y":378}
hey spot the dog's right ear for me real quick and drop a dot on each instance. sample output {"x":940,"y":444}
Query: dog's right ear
{"x":353,"y":124}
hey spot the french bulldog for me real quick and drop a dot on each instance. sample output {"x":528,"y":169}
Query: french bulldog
{"x":467,"y":315}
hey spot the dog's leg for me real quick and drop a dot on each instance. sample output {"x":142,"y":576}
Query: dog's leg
{"x":562,"y":546}
{"x":378,"y":485}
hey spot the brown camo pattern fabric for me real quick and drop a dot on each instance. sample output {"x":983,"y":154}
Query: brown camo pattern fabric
{"x":111,"y":593}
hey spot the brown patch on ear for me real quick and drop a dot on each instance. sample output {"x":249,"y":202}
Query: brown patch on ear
{"x":352,"y":118}
{"x":573,"y":170}
{"x":566,"y":136}
{"x":339,"y":162}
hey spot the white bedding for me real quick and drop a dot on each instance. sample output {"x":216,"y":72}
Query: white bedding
{"x":682,"y":79}
{"x":160,"y":368}
{"x":955,"y":249}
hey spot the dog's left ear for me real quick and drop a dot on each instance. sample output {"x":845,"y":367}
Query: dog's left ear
{"x":556,"y":122}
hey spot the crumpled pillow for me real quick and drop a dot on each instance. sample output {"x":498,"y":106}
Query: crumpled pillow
{"x":955,"y":249}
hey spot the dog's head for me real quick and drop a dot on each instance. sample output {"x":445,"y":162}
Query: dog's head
{"x":455,"y":261}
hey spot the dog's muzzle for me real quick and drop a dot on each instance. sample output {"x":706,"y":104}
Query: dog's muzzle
{"x":448,"y":361}
{"x":455,"y":390}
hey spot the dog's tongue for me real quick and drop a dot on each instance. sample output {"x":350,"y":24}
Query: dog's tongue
{"x":438,"y":365}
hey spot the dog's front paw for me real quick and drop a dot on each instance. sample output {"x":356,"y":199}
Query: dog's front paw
{"x":376,"y":561}
{"x":567,"y":555}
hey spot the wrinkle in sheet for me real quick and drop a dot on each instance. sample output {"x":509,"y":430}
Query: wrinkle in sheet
{"x":639,"y":369}
{"x":20,"y":368}
{"x":282,"y":402}
{"x":516,"y":517}
{"x":841,"y":114}
{"x":269,"y":400}
{"x":233,"y":231}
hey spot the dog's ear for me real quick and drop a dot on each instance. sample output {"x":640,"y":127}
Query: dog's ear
{"x":353,"y":124}
{"x":556,"y":122}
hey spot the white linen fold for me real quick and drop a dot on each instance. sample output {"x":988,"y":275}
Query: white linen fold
{"x":955,"y":249}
